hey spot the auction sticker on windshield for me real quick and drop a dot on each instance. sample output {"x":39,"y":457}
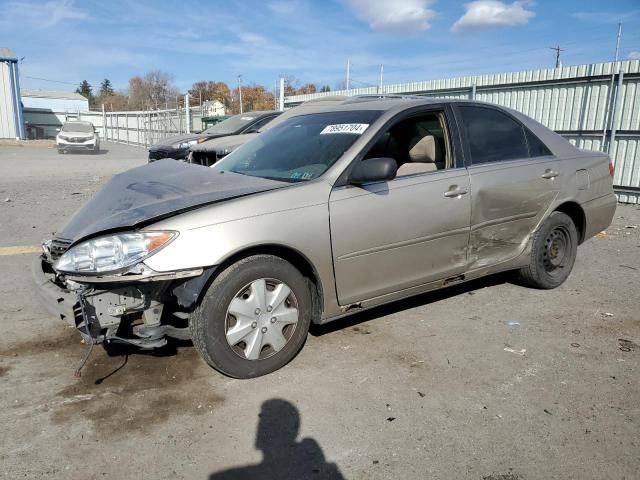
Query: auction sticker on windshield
{"x":354,"y":128}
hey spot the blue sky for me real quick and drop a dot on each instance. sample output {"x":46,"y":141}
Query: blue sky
{"x":65,"y":41}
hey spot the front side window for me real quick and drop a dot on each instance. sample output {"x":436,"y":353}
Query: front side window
{"x":231,"y":125}
{"x":492,"y":136}
{"x":300,"y":148}
{"x":418,"y":144}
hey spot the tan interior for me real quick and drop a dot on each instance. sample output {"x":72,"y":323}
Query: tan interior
{"x":423,"y":156}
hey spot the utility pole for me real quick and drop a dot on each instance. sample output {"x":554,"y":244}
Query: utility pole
{"x":348,"y":80}
{"x":240,"y":91}
{"x":281,"y":95}
{"x":612,"y":95}
{"x":380,"y":89}
{"x":618,"y":40}
{"x":557,"y":50}
{"x":187,"y":112}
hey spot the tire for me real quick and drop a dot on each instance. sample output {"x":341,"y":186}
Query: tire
{"x":553,"y":253}
{"x":213,"y":319}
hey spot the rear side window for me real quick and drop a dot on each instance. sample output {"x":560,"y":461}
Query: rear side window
{"x":492,"y":135}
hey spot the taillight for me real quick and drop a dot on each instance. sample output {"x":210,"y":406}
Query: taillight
{"x":611,"y":168}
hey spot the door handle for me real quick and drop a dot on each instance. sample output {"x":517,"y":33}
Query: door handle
{"x":455,"y":192}
{"x":550,"y":174}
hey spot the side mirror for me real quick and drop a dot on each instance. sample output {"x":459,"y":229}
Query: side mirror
{"x":57,"y":129}
{"x":374,"y":170}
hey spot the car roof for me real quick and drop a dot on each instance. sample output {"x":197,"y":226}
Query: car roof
{"x":258,"y":113}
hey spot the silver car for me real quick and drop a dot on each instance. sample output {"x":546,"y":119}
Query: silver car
{"x":339,"y":209}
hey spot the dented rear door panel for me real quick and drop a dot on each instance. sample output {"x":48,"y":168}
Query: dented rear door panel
{"x":509,"y":199}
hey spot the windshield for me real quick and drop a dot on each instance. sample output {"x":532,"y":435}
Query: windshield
{"x":77,"y":127}
{"x":231,"y":124}
{"x":300,"y":148}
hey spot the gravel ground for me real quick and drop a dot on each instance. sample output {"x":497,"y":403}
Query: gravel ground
{"x":487,"y":380}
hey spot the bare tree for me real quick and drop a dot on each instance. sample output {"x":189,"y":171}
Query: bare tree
{"x":155,"y":90}
{"x":210,"y":90}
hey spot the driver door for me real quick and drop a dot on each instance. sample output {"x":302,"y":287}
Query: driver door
{"x":391,"y":236}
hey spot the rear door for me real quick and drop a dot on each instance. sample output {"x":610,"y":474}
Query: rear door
{"x":514,"y":179}
{"x":394,"y":235}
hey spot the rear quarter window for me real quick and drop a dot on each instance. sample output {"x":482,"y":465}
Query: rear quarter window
{"x":536,"y":147}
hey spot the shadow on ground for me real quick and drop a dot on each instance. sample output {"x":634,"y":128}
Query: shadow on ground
{"x":283,"y":456}
{"x":412,"y":302}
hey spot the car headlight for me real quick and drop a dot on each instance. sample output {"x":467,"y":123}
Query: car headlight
{"x":180,"y":145}
{"x":113,"y":253}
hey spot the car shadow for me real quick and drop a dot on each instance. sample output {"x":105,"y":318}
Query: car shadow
{"x":102,"y":151}
{"x":411,"y":302}
{"x":114,"y":349}
{"x":283,"y":456}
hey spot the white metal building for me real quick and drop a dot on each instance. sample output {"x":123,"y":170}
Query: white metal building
{"x":11,"y":123}
{"x":55,"y":101}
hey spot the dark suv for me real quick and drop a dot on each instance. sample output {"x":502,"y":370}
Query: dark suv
{"x":177,"y":147}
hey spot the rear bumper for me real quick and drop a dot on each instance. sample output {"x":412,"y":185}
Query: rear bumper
{"x":599,"y":214}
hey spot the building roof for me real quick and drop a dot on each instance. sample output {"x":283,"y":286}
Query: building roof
{"x":52,"y":94}
{"x":7,"y":53}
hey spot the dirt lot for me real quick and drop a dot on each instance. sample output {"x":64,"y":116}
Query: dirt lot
{"x":488,"y":380}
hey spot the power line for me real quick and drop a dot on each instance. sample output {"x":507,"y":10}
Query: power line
{"x":58,"y":81}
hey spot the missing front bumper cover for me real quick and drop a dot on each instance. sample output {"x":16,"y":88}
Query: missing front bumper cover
{"x":99,"y":310}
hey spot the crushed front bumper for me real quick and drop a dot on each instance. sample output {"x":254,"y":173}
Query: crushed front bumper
{"x":126,"y":311}
{"x":60,"y":303}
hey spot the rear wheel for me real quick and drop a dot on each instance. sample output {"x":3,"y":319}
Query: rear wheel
{"x":553,"y":253}
{"x":254,"y":317}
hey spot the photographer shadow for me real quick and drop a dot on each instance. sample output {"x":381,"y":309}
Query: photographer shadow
{"x":283,"y":456}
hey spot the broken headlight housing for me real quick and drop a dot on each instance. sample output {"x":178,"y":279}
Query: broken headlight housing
{"x":113,"y":253}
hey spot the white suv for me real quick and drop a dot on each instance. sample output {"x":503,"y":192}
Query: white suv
{"x":78,"y":136}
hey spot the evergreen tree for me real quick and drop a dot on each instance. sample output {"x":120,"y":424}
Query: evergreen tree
{"x":106,"y":89}
{"x":85,"y":90}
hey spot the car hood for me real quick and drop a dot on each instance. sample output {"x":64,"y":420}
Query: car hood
{"x":76,"y":134}
{"x":158,"y":190}
{"x":219,"y":144}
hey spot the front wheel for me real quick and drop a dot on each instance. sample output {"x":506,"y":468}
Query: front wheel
{"x":253,"y":318}
{"x":553,"y":253}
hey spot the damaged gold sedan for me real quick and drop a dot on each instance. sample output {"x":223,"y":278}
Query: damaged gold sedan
{"x":341,"y":208}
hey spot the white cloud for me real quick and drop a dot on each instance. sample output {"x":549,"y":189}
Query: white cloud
{"x":634,"y":56}
{"x":398,"y":16}
{"x":45,"y":14}
{"x":493,"y":13}
{"x":284,"y":7}
{"x":606,"y":17}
